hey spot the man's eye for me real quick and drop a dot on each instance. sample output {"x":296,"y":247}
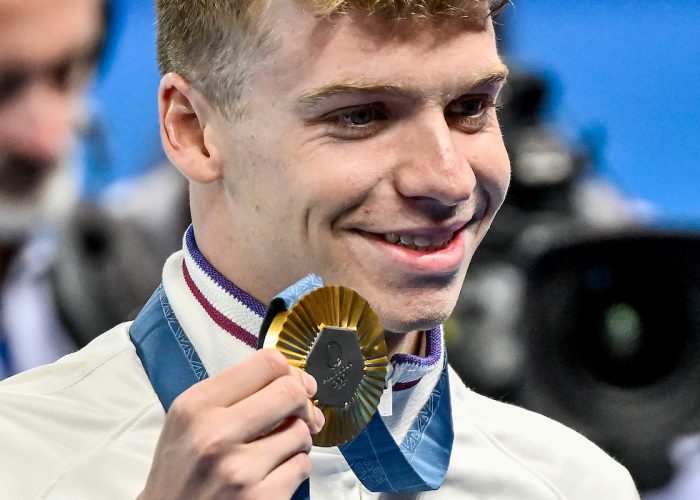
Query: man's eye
{"x":357,"y":122}
{"x":359,"y":116}
{"x":470,"y":113}
{"x":472,"y":106}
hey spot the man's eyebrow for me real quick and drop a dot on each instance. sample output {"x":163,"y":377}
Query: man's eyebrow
{"x":496,"y":75}
{"x":311,"y":99}
{"x":355,"y":86}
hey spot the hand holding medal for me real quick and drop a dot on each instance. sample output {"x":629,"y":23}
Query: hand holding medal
{"x":333,"y":334}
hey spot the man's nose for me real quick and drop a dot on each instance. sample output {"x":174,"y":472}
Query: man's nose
{"x":39,"y":124}
{"x":434,"y":167}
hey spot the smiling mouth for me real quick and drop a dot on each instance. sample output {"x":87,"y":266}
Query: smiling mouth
{"x":419,"y":243}
{"x":425,"y":242}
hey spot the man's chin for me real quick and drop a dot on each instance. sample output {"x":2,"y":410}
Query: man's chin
{"x":416,"y":308}
{"x":413,"y":324}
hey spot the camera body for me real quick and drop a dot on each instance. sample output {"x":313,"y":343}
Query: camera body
{"x":590,"y":320}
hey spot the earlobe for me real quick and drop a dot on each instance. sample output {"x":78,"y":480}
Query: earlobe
{"x":184,"y":119}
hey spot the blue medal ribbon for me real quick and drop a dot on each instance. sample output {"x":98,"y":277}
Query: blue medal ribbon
{"x":167,"y":355}
{"x":418,"y":464}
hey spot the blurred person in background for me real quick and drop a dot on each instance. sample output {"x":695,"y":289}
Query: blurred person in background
{"x":48,"y":51}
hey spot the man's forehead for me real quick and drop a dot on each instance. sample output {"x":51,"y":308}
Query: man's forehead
{"x":362,"y":52}
{"x":377,"y":19}
{"x":392,"y":10}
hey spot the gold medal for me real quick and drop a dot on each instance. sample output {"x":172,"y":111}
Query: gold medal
{"x":333,"y":334}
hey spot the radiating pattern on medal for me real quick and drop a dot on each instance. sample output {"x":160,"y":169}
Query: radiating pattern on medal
{"x":333,"y":334}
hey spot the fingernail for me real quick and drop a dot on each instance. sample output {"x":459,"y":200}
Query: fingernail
{"x":320,"y":419}
{"x":310,"y":384}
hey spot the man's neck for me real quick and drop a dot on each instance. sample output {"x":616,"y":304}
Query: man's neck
{"x":405,"y":343}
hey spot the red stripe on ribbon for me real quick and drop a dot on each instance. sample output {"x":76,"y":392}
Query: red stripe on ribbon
{"x":220,"y":319}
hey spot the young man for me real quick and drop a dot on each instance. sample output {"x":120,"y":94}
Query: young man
{"x":356,"y":142}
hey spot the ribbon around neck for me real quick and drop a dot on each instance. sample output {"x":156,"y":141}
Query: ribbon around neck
{"x":333,"y":334}
{"x":419,"y":463}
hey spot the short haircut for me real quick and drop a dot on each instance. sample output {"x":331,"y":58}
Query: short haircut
{"x":214,"y":44}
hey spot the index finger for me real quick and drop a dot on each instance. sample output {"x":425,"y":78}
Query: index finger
{"x":241,"y":380}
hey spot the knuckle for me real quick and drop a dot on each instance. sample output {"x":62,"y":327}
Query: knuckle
{"x":186,"y":407}
{"x":247,"y":420}
{"x":302,"y":465}
{"x":294,"y":391}
{"x":275,"y":362}
{"x":301,"y":433}
{"x":238,"y":473}
{"x":182,"y":408}
{"x":209,"y":446}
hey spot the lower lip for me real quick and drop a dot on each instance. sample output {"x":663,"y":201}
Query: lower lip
{"x":446,"y":260}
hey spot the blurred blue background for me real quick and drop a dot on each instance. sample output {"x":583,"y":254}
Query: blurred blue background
{"x":623,"y":75}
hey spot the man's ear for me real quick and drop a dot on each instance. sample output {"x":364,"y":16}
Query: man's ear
{"x":186,"y":130}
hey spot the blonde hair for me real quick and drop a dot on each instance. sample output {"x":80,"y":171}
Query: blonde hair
{"x":214,"y":44}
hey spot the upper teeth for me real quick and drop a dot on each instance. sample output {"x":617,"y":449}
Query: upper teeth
{"x":417,"y":241}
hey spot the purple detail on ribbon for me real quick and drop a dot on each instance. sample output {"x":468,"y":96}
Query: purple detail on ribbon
{"x":220,"y":319}
{"x":403,"y":386}
{"x":433,"y":351}
{"x":252,"y":303}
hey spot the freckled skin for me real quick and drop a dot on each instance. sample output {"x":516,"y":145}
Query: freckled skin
{"x":320,"y":192}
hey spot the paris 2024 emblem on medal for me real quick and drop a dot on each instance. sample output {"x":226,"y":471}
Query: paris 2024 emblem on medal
{"x":334,"y":334}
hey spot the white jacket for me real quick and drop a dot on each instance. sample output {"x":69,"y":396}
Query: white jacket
{"x":86,"y":426}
